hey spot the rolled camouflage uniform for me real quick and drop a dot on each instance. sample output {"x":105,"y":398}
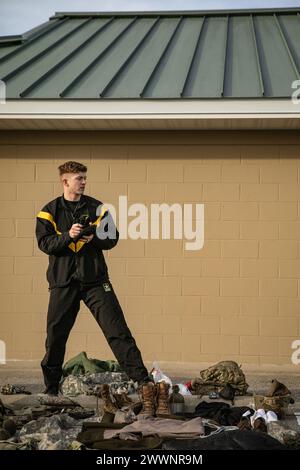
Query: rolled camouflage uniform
{"x":217,"y":376}
{"x":87,"y":384}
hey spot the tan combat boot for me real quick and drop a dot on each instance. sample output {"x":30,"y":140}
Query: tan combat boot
{"x":148,"y":396}
{"x":163,"y":407}
{"x":122,"y":399}
{"x":277,"y":389}
{"x":109,"y":405}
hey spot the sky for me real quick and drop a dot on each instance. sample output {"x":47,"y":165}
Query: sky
{"x":18,"y":16}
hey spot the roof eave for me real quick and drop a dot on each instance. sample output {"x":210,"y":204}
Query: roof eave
{"x":171,"y":115}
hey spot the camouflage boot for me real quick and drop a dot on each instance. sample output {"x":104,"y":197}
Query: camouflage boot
{"x":148,"y":394}
{"x":163,"y":407}
{"x":109,"y":404}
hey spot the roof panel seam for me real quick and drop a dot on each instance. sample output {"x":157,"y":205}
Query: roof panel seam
{"x":176,"y":29}
{"x":225,"y":56}
{"x":188,"y":77}
{"x":65,"y":59}
{"x":34,"y":39}
{"x":96,"y":60}
{"x":45,"y":51}
{"x":289,"y":52}
{"x":129,"y":58}
{"x":261,"y":80}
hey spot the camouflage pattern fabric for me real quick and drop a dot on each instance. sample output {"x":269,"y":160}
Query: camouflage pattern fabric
{"x":288,"y":437}
{"x":8,"y":445}
{"x":75,"y":445}
{"x":72,"y":385}
{"x":9,"y":389}
{"x":114,"y":379}
{"x":217,"y":376}
{"x":54,"y":433}
{"x":57,"y":401}
{"x":26,"y":414}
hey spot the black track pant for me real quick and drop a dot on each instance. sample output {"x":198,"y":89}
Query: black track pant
{"x":101,"y":299}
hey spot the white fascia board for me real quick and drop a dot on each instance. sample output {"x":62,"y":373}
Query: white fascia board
{"x":153,"y":109}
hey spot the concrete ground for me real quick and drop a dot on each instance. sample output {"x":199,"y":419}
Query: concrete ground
{"x":258,"y":384}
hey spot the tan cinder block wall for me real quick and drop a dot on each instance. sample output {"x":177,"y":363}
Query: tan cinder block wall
{"x":238,"y":298}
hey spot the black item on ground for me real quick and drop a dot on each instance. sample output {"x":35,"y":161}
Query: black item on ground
{"x":227,"y":440}
{"x":221,"y":412}
{"x":227,"y":393}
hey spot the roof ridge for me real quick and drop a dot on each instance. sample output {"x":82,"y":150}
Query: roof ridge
{"x":176,"y":12}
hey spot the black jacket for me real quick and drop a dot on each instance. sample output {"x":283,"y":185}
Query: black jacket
{"x":68,"y":260}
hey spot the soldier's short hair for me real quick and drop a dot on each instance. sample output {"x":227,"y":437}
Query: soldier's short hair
{"x":71,"y":167}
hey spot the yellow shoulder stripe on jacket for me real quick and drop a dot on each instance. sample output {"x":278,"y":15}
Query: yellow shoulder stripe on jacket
{"x":47,"y":216}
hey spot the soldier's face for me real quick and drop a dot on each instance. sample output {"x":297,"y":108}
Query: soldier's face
{"x":75,"y":182}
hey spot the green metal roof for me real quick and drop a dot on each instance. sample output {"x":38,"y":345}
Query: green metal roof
{"x":155,"y":55}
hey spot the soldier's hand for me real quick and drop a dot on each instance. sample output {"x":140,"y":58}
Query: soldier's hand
{"x":75,"y":230}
